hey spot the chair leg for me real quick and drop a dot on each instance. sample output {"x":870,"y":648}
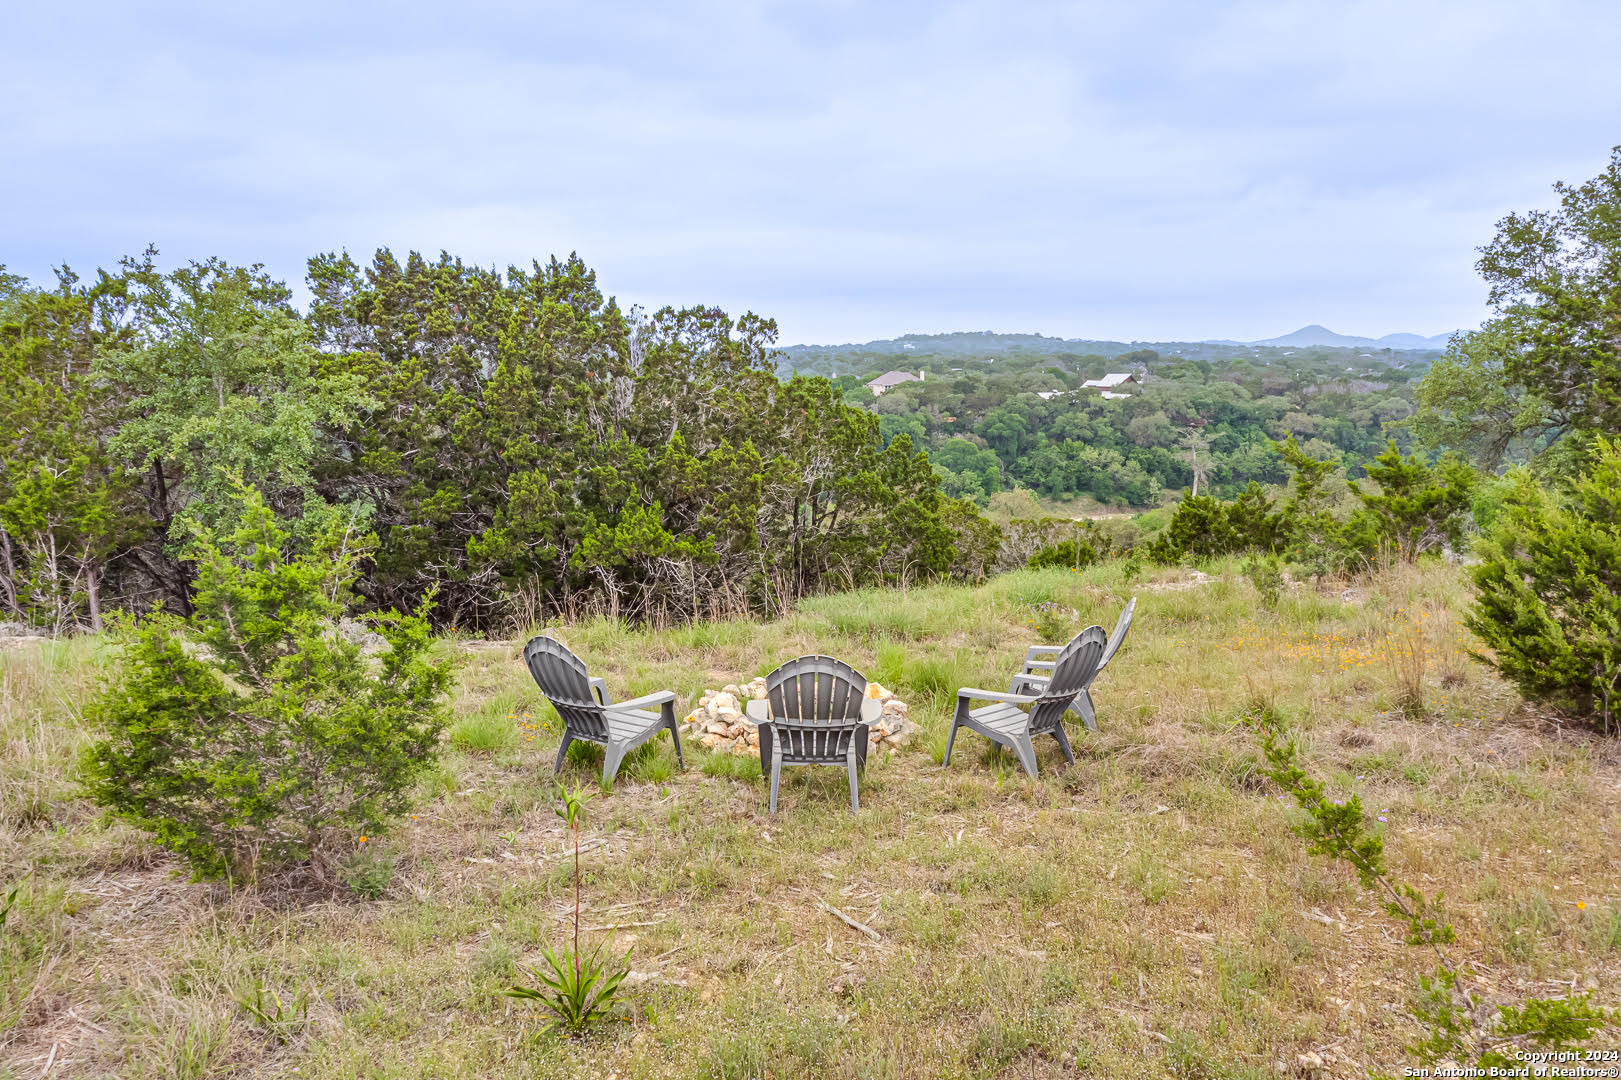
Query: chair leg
{"x":855,"y":796}
{"x":950,"y":741}
{"x":776,"y":778}
{"x":1083,"y":708}
{"x":1026,"y":751}
{"x":562,"y":752}
{"x":1063,"y":742}
{"x":612,"y":755}
{"x":676,"y":735}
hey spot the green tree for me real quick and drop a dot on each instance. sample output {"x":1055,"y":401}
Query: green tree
{"x":67,"y":507}
{"x":252,"y":736}
{"x":220,"y":379}
{"x":1549,"y":599}
{"x":1547,"y":364}
{"x":1418,"y":508}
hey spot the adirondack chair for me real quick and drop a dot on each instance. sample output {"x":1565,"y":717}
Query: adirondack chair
{"x":589,"y":713}
{"x":1035,"y":671}
{"x":816,"y":712}
{"x":1007,"y":723}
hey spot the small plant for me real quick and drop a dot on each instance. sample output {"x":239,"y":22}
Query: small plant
{"x":370,"y":870}
{"x":280,"y":1021}
{"x":1132,"y":568}
{"x":1408,"y":659}
{"x":577,"y":990}
{"x":1052,"y":622}
{"x":1449,"y":1011}
{"x":11,"y":899}
{"x":1266,"y":574}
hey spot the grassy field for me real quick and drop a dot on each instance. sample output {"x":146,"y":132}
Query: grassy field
{"x":1146,"y":912}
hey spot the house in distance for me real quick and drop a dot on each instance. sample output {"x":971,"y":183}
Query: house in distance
{"x":890,"y":379}
{"x":1110,"y":382}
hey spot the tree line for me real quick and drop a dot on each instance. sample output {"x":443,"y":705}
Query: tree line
{"x":516,"y":443}
{"x":1023,"y":419}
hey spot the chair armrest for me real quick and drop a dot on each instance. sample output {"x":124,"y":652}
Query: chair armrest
{"x":1036,"y":650}
{"x":1039,"y":665}
{"x":871,"y":710}
{"x":599,"y":687}
{"x":974,"y":693}
{"x":758,"y":710}
{"x":645,"y":700}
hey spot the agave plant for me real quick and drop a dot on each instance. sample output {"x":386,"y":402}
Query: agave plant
{"x":576,"y":990}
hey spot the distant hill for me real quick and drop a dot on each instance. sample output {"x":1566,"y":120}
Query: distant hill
{"x":943,"y":352}
{"x":1321,"y":336}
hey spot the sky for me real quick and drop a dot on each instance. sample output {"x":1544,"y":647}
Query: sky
{"x":1128,"y":171}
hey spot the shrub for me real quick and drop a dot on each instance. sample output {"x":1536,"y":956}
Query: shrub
{"x":1549,"y":599}
{"x":1419,"y":507}
{"x":1267,"y":577}
{"x":252,"y":736}
{"x":1204,"y":527}
{"x":1088,"y":544}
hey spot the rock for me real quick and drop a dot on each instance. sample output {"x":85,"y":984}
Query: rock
{"x":717,"y":727}
{"x":709,"y":741}
{"x":876,"y":691}
{"x":894,"y":707}
{"x":357,"y":633}
{"x":724,"y":700}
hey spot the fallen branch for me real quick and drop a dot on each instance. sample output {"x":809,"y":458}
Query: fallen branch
{"x":851,"y":923}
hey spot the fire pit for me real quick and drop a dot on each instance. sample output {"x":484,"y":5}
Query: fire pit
{"x":719,"y":724}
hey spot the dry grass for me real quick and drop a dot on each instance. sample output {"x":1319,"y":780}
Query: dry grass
{"x":1145,"y":912}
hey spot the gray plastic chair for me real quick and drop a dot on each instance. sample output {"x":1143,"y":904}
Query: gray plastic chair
{"x":1013,"y":727}
{"x":815,"y":712}
{"x":1032,"y":679}
{"x":588,"y":712}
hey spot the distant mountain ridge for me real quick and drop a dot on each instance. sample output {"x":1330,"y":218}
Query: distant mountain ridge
{"x":1322,"y":335}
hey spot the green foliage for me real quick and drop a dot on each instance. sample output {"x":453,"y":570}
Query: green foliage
{"x":1204,"y":527}
{"x":1053,"y":622}
{"x":1086,"y":546}
{"x":279,"y":1021}
{"x":67,"y":504}
{"x":1447,"y":1009}
{"x":578,"y":990}
{"x":369,"y":870}
{"x":251,"y":736}
{"x":1549,"y":591}
{"x":1418,"y":508}
{"x":1266,"y":574}
{"x":11,"y":899}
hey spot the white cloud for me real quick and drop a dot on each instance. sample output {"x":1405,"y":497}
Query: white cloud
{"x":1146,"y":171}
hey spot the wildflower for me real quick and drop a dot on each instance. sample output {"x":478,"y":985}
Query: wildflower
{"x":1383,"y":818}
{"x":1581,"y":905}
{"x":362,"y":839}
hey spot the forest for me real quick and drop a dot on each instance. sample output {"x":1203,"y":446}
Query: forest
{"x":1001,"y":412}
{"x":509,"y":445}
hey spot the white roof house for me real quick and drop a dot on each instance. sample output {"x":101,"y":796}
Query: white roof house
{"x":890,"y":379}
{"x":1112,"y":380}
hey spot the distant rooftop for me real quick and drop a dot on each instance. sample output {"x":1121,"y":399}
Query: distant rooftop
{"x":1111,"y":380}
{"x":892,"y":379}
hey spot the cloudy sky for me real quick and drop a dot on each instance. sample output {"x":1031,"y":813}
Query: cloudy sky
{"x":1137,"y":171}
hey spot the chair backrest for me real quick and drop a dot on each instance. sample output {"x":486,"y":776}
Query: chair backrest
{"x":815,"y":706}
{"x":1074,"y":667}
{"x":562,"y":677}
{"x":1118,"y":637}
